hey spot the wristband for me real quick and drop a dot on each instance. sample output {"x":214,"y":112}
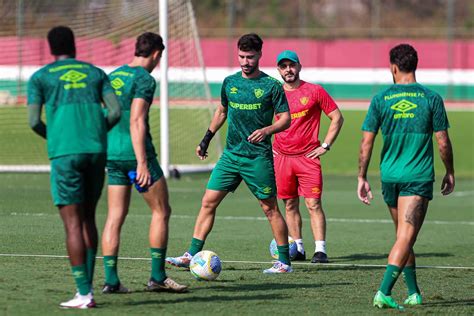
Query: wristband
{"x":205,"y":143}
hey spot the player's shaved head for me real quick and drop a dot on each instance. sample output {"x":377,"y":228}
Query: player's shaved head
{"x":147,"y":43}
{"x":249,"y":42}
{"x":61,"y":41}
{"x":405,"y":57}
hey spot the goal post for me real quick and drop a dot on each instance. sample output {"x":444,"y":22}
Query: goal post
{"x":164,"y":113}
{"x":105,"y":36}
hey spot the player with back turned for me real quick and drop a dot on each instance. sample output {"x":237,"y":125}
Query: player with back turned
{"x":249,"y":100}
{"x":131,"y":153}
{"x":407,"y":114}
{"x":72,"y":92}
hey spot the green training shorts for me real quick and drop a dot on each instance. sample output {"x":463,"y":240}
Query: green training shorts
{"x":391,"y":191}
{"x":117,"y":170}
{"x":77,"y":178}
{"x":257,"y":173}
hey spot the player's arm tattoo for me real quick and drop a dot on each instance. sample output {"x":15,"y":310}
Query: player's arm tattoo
{"x":416,"y":212}
{"x":366,"y":146}
{"x":445,"y":150}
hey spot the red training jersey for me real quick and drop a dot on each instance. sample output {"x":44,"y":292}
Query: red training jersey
{"x":306,"y":103}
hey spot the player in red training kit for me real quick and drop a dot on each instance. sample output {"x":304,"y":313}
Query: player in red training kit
{"x":297,"y":151}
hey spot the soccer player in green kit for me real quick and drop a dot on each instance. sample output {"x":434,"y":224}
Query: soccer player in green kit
{"x":249,"y":99}
{"x":72,"y":92}
{"x":408,"y":114}
{"x":130,"y":148}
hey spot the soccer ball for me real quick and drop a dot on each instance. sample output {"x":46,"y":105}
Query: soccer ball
{"x":291,"y":243}
{"x":205,"y":265}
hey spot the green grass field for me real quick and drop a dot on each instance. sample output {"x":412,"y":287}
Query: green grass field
{"x":187,"y":126}
{"x":359,"y":237}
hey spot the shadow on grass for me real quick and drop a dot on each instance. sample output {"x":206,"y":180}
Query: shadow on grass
{"x":205,"y":299}
{"x":375,"y":256}
{"x":201,"y":294}
{"x":447,"y":303}
{"x":320,"y":268}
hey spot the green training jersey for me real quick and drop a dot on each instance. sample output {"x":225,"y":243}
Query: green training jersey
{"x":251,"y":104}
{"x":407,"y":115}
{"x":72,"y":92}
{"x":129,"y":83}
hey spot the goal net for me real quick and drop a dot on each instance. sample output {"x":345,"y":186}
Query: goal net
{"x":105,"y":36}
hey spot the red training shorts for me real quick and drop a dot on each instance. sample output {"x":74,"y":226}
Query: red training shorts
{"x":298,"y":176}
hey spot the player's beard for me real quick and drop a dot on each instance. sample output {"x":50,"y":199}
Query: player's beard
{"x":250,"y":70}
{"x":294,"y":78}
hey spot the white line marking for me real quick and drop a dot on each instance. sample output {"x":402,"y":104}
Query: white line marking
{"x":355,"y":265}
{"x":256,"y":218}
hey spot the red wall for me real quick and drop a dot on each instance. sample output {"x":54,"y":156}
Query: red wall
{"x":219,"y":53}
{"x":345,"y":53}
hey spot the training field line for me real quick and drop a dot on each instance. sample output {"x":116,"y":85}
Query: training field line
{"x":261,"y":218}
{"x":349,"y":265}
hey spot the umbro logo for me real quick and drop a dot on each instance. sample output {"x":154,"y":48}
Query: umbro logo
{"x":403,"y":107}
{"x":117,"y":83}
{"x":267,"y":190}
{"x":73,"y":77}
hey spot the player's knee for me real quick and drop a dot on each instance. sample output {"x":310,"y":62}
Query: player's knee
{"x":406,"y":239}
{"x":315,"y":207}
{"x":73,"y":227}
{"x":291,"y":207}
{"x":163,"y":212}
{"x":271,"y":211}
{"x":166,"y":213}
{"x":208,"y":205}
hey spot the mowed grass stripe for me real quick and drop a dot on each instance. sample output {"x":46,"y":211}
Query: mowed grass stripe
{"x":319,"y":265}
{"x":261,"y":218}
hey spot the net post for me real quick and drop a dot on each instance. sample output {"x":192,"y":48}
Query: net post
{"x":164,"y":115}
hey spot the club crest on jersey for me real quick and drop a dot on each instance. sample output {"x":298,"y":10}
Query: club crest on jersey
{"x":258,"y":93}
{"x":403,"y":107}
{"x":73,"y":77}
{"x":304,"y":100}
{"x":233,"y":90}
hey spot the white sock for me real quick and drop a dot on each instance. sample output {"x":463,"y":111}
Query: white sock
{"x":299,"y":245}
{"x":320,"y":246}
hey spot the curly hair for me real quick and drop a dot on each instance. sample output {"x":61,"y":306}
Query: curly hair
{"x":405,"y":57}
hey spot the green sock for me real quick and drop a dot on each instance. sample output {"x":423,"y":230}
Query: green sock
{"x":284,"y":254}
{"x":90,"y":263}
{"x":389,"y":278}
{"x":409,"y":275}
{"x":158,"y":264}
{"x":82,"y":280}
{"x":110,"y":269}
{"x":196,"y":246}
